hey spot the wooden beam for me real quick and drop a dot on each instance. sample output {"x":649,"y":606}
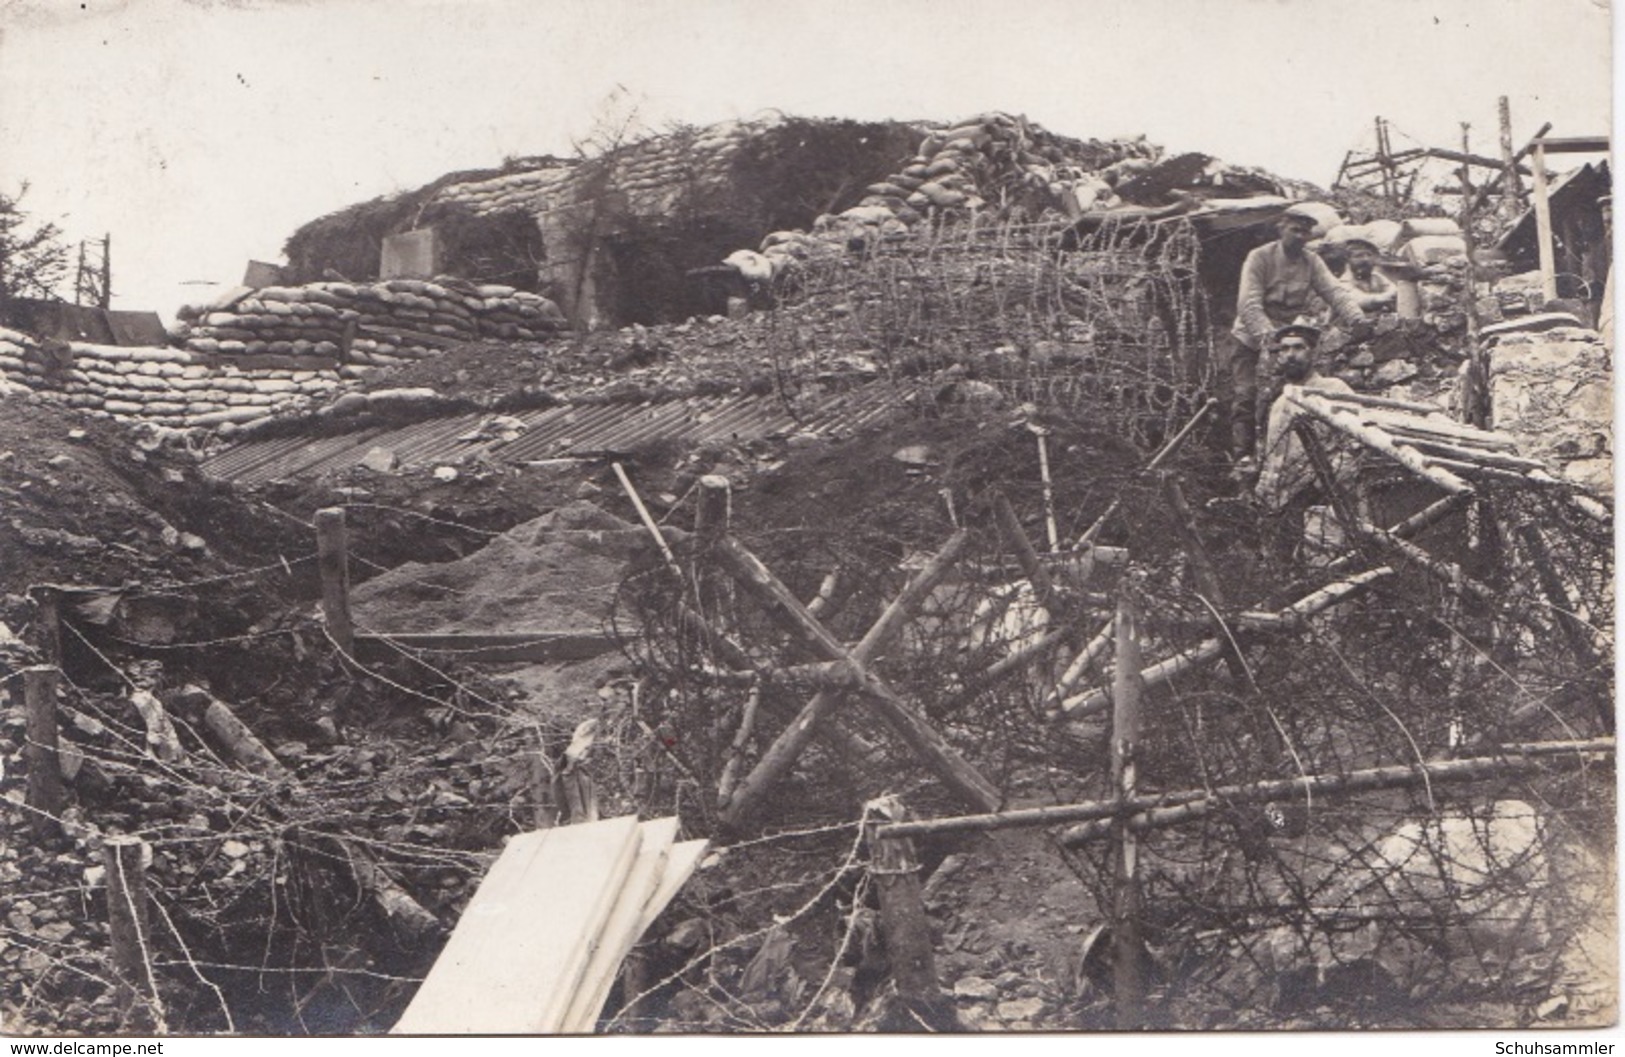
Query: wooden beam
{"x":1511,"y":757}
{"x":1476,"y":160}
{"x":1574,"y":144}
{"x":1510,"y":761}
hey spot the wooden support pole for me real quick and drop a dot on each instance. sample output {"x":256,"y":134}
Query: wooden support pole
{"x":714,"y":506}
{"x":332,"y":556}
{"x":124,"y":860}
{"x":755,"y":577}
{"x":1212,"y":649}
{"x":1207,"y":578}
{"x":1128,"y":965}
{"x":1511,"y":187}
{"x":45,"y":797}
{"x":647,"y":519}
{"x":736,"y":751}
{"x":1051,"y":531}
{"x":1156,"y":462}
{"x":1016,"y":537}
{"x":1543,"y":227}
{"x":1316,"y":787}
{"x":48,"y":610}
{"x":1152,"y":810}
{"x":904,"y":926}
{"x":1579,"y":638}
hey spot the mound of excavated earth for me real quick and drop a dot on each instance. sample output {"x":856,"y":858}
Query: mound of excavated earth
{"x":556,"y":573}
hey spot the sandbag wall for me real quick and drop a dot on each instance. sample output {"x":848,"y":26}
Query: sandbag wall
{"x":650,"y":175}
{"x":389,"y":323}
{"x":167,"y":387}
{"x":993,"y":158}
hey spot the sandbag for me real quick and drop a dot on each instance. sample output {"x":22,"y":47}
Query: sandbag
{"x":1417,"y":227}
{"x":1435,"y":249}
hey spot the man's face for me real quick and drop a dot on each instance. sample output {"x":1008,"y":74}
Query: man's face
{"x":1295,"y":233}
{"x":1294,"y":359}
{"x":1361,"y":261}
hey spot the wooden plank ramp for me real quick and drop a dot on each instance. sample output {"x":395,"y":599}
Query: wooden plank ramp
{"x":538,"y":947}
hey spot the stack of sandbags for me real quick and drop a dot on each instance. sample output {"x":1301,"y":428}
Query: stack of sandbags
{"x":390,"y":322}
{"x":514,"y":192}
{"x":652,"y":174}
{"x":169,"y":387}
{"x":22,"y":365}
{"x":165,"y":386}
{"x":508,"y":313}
{"x":957,"y":169}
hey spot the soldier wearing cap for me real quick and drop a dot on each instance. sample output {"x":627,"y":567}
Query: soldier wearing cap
{"x":1277,"y":281}
{"x":1373,"y":289}
{"x":1287,"y":473}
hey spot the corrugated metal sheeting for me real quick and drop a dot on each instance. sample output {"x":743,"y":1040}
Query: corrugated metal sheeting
{"x":571,"y":430}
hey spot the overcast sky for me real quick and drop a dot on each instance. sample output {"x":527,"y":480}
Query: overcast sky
{"x":202,"y":134}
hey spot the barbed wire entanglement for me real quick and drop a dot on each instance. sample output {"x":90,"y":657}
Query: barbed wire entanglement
{"x":1307,"y":657}
{"x":1110,"y":323}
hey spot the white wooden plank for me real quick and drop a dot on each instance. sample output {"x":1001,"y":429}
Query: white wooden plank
{"x":527,"y":929}
{"x":680,"y":866}
{"x":621,"y":931}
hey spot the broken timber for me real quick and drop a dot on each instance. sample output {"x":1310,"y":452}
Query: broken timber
{"x":757,"y":579}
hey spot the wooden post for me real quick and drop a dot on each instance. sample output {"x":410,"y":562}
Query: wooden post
{"x":1543,"y":227}
{"x":45,"y":796}
{"x":48,"y":606}
{"x":1475,"y":410}
{"x":1052,"y":533}
{"x":332,"y":555}
{"x":124,"y":858}
{"x":714,"y":506}
{"x":1511,"y":189}
{"x":107,"y":271}
{"x":1128,"y":966}
{"x":903,"y":924}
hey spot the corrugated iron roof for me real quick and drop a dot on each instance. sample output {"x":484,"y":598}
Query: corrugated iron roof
{"x":565,"y":431}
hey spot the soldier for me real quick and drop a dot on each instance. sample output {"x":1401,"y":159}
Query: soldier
{"x":1277,"y":281}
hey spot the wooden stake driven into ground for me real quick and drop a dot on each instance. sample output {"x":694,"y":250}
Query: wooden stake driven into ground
{"x":332,"y":556}
{"x":1129,"y":974}
{"x":45,"y":797}
{"x":124,"y":860}
{"x":755,"y":578}
{"x":903,"y":923}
